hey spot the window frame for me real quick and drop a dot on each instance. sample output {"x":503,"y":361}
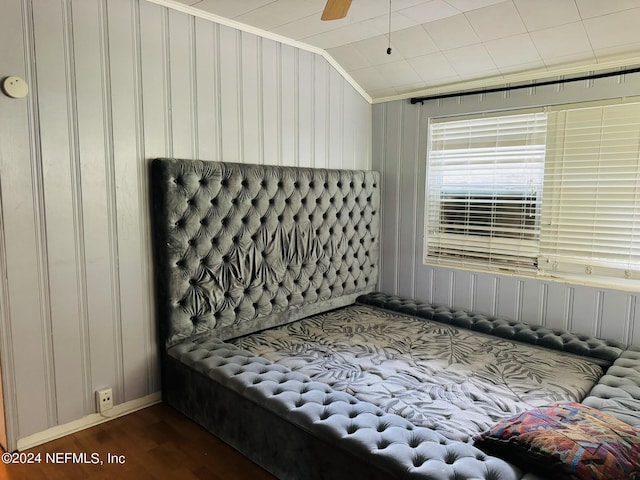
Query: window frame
{"x":628,"y":282}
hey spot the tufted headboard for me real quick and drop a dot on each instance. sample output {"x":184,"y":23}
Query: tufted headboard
{"x":240,"y":248}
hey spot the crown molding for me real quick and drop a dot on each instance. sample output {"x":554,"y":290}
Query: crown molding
{"x":515,"y":78}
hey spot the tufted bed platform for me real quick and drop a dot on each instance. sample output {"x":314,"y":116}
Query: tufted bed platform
{"x":275,"y":341}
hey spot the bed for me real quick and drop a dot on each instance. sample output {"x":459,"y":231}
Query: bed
{"x":275,"y":340}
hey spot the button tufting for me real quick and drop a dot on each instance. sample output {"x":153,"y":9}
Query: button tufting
{"x":419,"y":460}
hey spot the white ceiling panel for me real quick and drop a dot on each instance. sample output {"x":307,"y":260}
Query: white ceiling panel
{"x":547,"y":13}
{"x":597,"y":8}
{"x":619,"y":28}
{"x":561,"y":41}
{"x":398,"y":73}
{"x":375,"y":50}
{"x":426,"y":12}
{"x":469,"y":5}
{"x":485,"y":24}
{"x":444,"y":44}
{"x":470,"y":60}
{"x":413,"y":42}
{"x":282,"y":12}
{"x":512,"y":51}
{"x":434,"y":68}
{"x":349,"y":57}
{"x":452,"y":32}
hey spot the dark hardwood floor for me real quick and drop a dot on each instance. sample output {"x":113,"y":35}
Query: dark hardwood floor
{"x":155,"y":443}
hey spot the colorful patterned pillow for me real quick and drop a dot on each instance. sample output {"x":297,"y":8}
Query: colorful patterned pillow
{"x":567,"y":440}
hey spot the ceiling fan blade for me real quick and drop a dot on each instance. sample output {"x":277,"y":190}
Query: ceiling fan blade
{"x":335,"y":9}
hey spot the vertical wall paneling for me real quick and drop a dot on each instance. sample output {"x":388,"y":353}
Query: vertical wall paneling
{"x":508,"y":297}
{"x":57,"y":137}
{"x":610,"y":313}
{"x":336,"y":133}
{"x":570,"y":293}
{"x":363,"y":120}
{"x":407,"y":207}
{"x":4,"y":333}
{"x":193,"y":97}
{"x":584,"y":315}
{"x":361,"y":114}
{"x":251,"y":99}
{"x":616,"y":314}
{"x":442,"y":294}
{"x":320,"y":112}
{"x":378,"y":133}
{"x":305,"y":103}
{"x":556,"y":306}
{"x":205,"y":94}
{"x":288,"y":112}
{"x":598,"y":314}
{"x":427,"y":288}
{"x":113,"y":84}
{"x":181,"y":81}
{"x":633,"y":331}
{"x":544,"y":300}
{"x":419,"y":171}
{"x":152,"y":51}
{"x":270,"y":105}
{"x":149,"y":357}
{"x":23,"y":361}
{"x":166,"y":73}
{"x":423,"y":276}
{"x":531,"y":302}
{"x":34,"y":360}
{"x":390,"y":190}
{"x":93,"y":153}
{"x":349,"y":128}
{"x":153,"y":60}
{"x":462,"y":288}
{"x":79,"y":385}
{"x":126,"y":115}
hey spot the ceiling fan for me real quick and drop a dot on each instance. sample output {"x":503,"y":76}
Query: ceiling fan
{"x":335,"y":9}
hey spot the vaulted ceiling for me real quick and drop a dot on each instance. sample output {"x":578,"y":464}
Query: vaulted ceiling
{"x":440,"y":45}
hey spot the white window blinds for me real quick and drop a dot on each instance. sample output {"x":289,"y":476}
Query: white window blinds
{"x":591,"y":209}
{"x":552,"y":194}
{"x":484,"y":186}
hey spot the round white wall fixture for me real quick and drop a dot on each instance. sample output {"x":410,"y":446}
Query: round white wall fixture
{"x":15,"y":87}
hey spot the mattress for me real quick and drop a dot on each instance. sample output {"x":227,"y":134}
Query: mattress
{"x":455,"y":381}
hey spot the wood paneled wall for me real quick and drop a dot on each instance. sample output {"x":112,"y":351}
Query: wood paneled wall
{"x":399,"y":152}
{"x":113,"y":84}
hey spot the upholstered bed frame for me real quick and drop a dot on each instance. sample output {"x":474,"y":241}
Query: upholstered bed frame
{"x":242,"y":248}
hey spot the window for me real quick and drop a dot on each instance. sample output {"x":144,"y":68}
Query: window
{"x":545,"y":193}
{"x":484,"y":188}
{"x":591,"y":209}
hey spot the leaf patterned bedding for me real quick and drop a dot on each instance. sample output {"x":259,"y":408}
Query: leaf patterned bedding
{"x":453,"y":380}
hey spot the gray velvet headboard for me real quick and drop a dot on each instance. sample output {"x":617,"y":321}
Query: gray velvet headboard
{"x":240,"y":248}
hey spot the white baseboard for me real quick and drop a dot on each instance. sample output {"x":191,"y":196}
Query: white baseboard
{"x":87,"y":422}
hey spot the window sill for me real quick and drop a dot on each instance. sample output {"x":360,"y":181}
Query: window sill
{"x":621,"y":284}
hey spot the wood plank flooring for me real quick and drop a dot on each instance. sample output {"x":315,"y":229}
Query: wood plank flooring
{"x":155,"y":443}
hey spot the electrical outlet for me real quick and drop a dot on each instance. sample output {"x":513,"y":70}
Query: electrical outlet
{"x":104,"y":399}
